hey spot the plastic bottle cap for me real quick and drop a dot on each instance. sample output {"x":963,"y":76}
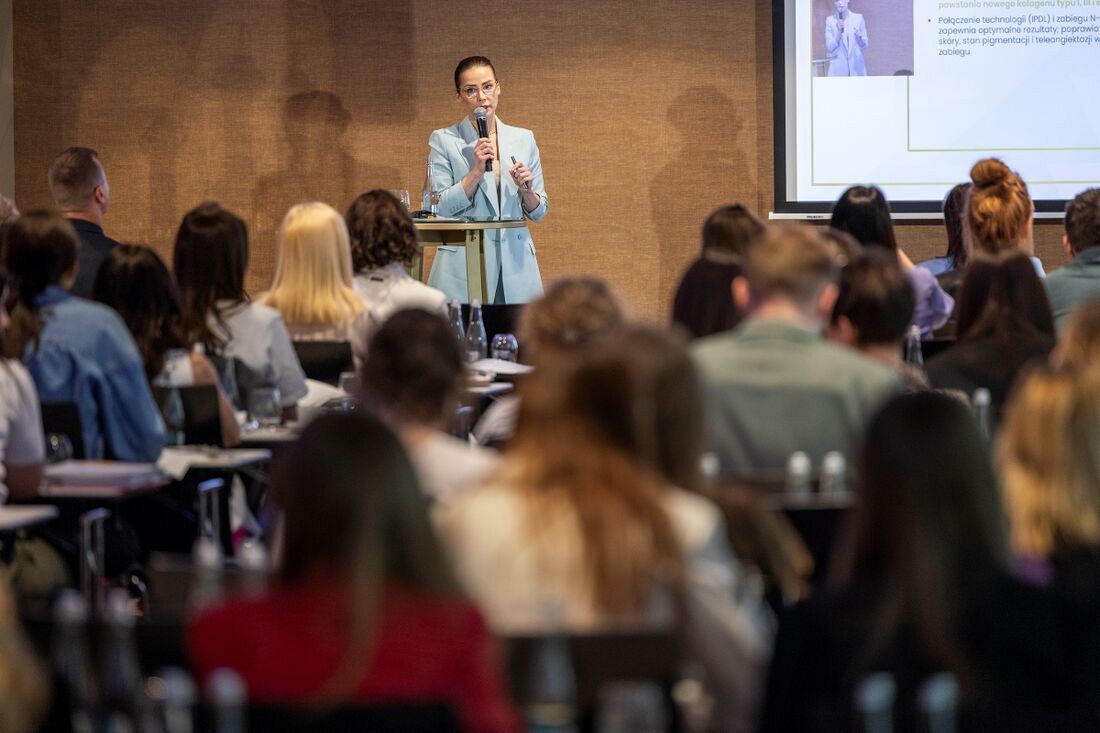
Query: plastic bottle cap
{"x":981,"y":397}
{"x":118,"y":609}
{"x":226,"y":687}
{"x":70,"y":608}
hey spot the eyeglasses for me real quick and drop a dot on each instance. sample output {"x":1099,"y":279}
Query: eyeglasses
{"x":470,"y":92}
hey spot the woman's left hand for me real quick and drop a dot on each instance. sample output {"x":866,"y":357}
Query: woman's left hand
{"x":522,"y":176}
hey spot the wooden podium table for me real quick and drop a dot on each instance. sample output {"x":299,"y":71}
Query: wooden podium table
{"x":467,"y":234}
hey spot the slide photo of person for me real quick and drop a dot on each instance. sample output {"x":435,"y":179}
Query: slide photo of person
{"x":862,"y":38}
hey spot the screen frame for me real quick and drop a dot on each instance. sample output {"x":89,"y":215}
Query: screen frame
{"x":1053,"y":208}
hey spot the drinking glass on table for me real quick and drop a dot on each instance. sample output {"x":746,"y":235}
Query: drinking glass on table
{"x":265,"y":406}
{"x":402,"y":195}
{"x":505,"y":347}
{"x":59,"y":447}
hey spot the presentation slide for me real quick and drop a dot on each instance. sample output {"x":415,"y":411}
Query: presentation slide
{"x":908,"y":94}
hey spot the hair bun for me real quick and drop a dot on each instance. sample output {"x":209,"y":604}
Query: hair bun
{"x":990,"y":172}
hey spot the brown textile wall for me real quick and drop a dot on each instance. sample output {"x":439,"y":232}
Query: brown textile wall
{"x":648,"y":114}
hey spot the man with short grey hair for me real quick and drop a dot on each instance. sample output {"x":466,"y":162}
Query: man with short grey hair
{"x":79,"y":186}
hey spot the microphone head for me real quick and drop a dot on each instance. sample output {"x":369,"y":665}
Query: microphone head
{"x":480,"y":113}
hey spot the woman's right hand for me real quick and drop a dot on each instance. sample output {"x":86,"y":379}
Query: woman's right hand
{"x":483,"y":152}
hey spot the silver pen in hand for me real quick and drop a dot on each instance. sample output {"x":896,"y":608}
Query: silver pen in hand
{"x":526,"y":184}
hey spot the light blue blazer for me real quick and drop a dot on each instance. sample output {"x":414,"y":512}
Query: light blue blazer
{"x":509,"y":253}
{"x":846,"y":50}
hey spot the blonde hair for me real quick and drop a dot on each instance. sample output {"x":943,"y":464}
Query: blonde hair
{"x":312,"y":284}
{"x":1049,"y":457}
{"x":1079,"y":342}
{"x":998,"y":209}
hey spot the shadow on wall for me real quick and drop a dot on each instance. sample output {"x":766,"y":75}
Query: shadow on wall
{"x":710,"y":169}
{"x":315,"y":164}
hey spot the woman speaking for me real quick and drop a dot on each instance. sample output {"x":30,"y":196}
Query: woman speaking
{"x":460,"y":160}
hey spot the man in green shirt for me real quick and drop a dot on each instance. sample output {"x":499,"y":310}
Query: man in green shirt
{"x":1078,"y":281}
{"x":774,"y":386}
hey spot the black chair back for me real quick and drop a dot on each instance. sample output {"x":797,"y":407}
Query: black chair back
{"x":202,"y":419}
{"x":63,"y":418}
{"x":325,"y":361}
{"x":599,"y":659}
{"x":409,"y":718}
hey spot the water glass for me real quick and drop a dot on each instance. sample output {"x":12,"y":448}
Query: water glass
{"x":402,"y":195}
{"x":505,"y":347}
{"x":265,"y":406}
{"x":59,"y":447}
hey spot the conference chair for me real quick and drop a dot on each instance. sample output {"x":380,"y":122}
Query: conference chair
{"x":325,"y":361}
{"x":62,"y":420}
{"x":202,"y":418}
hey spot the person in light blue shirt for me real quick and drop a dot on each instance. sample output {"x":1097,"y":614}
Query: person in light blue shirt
{"x":76,"y":350}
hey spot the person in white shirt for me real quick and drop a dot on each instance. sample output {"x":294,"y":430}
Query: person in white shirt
{"x":582,"y":518}
{"x":413,"y":377}
{"x":312,"y":286}
{"x":383,"y":244}
{"x":209,"y":263}
{"x":22,"y":448}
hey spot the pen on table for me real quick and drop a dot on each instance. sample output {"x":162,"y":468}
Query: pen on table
{"x":526,"y":184}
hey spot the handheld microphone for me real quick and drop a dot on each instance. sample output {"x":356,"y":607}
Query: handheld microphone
{"x":483,"y":130}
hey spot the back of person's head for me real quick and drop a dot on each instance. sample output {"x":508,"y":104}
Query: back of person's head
{"x":703,"y":303}
{"x":1049,"y":455}
{"x":73,"y":177}
{"x":134,"y":280}
{"x":1003,"y":296}
{"x":844,"y":246}
{"x":998,"y":210}
{"x":1083,"y":220}
{"x":40,"y":250}
{"x":876,"y":299}
{"x":1079,"y":340}
{"x":413,"y":371}
{"x":728,"y":232}
{"x":381,"y":231}
{"x":863,"y":212}
{"x":954,"y":212}
{"x":669,"y":406}
{"x":580,"y":448}
{"x":209,"y":262}
{"x":571,"y":313}
{"x":313,"y":273}
{"x":928,"y":531}
{"x":355,"y":517}
{"x":791,"y":262}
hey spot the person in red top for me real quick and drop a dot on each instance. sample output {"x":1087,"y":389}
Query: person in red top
{"x":365,"y":608}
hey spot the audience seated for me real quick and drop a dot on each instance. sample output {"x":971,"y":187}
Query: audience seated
{"x":365,"y":608}
{"x":1004,"y":323}
{"x":999,"y":213}
{"x":24,"y":682}
{"x":312,"y":287}
{"x":22,"y":450}
{"x":1079,"y":341}
{"x":923,"y":584}
{"x":209,"y":262}
{"x":76,"y":351}
{"x":864,"y":213}
{"x":413,"y":378}
{"x":383,"y":243}
{"x":1078,"y":281}
{"x":954,"y":204}
{"x":773,"y":386}
{"x":703,"y":304}
{"x":578,"y":531}
{"x":1049,"y":456}
{"x":874,"y":307}
{"x":571,"y":315}
{"x":79,"y":187}
{"x":135,"y":282}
